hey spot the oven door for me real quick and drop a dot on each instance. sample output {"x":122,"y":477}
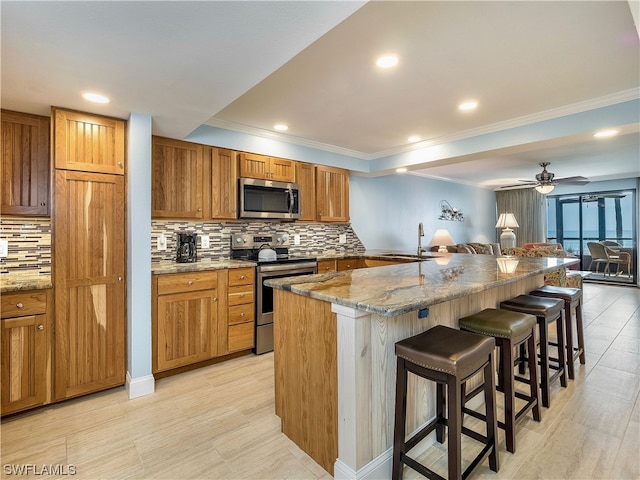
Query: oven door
{"x":264,"y":298}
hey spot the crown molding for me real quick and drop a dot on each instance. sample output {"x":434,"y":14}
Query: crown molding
{"x":580,"y":107}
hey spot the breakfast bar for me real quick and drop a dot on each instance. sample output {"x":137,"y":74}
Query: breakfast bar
{"x":334,"y":338}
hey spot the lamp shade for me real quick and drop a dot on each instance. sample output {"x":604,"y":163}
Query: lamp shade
{"x":507,"y":220}
{"x":442,"y":237}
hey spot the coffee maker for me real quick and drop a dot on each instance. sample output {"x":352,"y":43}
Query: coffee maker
{"x":187,"y":250}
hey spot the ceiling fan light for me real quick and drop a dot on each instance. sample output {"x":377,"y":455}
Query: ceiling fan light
{"x":544,"y":189}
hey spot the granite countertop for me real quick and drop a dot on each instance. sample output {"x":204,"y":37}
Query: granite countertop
{"x":396,"y":289}
{"x":18,"y":281}
{"x":206,"y":264}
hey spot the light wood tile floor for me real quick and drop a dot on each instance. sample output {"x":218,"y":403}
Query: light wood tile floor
{"x":218,"y":422}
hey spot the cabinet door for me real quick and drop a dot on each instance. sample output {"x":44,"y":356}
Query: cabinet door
{"x":24,"y":164}
{"x":23,"y":362}
{"x":88,"y":143}
{"x":89,"y":236}
{"x":178,"y":180}
{"x":187,"y":324}
{"x":332,"y":189}
{"x":254,"y":166}
{"x":281,"y":170}
{"x":224,"y":184}
{"x":306,"y":178}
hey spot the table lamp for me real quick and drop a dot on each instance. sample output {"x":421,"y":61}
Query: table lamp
{"x":442,"y":238}
{"x":507,"y":221}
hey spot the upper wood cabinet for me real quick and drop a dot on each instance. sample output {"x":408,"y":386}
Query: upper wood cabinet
{"x":332,"y":194}
{"x":224,"y":183}
{"x":24,"y":164}
{"x":305,"y":178}
{"x":180,"y":180}
{"x":88,"y":143}
{"x":268,"y":168}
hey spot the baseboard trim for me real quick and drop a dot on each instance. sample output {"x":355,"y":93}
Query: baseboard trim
{"x":140,"y":387}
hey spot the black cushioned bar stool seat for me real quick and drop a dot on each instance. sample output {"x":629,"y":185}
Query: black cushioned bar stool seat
{"x":448,"y":357}
{"x":546,"y":311}
{"x":572,"y":298}
{"x":510,"y":330}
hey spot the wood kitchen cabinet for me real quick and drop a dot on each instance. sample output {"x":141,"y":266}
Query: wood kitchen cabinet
{"x":241,"y":309}
{"x":332,"y":194}
{"x":306,"y":179}
{"x":350,"y":263}
{"x":88,"y":143}
{"x":224,"y":183}
{"x":185,"y":320}
{"x":24,"y":164}
{"x":25,"y":355}
{"x":179,"y":180}
{"x":89,"y":239}
{"x":89,"y":236}
{"x":326,"y":266}
{"x":268,"y":168}
{"x":198,"y":316}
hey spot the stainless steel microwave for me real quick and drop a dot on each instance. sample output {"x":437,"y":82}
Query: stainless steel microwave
{"x":269,"y":199}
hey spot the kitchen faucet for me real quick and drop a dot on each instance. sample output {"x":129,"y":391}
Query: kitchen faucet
{"x":420,"y":235}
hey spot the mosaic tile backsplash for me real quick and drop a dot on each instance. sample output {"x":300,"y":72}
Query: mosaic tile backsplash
{"x":29,"y":245}
{"x":30,"y":240}
{"x":315,"y":238}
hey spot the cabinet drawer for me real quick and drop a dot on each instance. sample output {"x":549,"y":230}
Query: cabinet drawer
{"x":241,"y":276}
{"x":241,"y":313}
{"x":241,"y":337}
{"x":19,"y":304}
{"x":240,"y":294}
{"x":187,"y":282}
{"x":325,"y":266}
{"x":349,"y":264}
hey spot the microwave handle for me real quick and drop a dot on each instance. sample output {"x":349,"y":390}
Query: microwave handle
{"x":290,"y":192}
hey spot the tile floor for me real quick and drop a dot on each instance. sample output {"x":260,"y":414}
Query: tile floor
{"x":218,"y":422}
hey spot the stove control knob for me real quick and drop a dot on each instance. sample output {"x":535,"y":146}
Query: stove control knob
{"x":238,"y":240}
{"x":245,"y":240}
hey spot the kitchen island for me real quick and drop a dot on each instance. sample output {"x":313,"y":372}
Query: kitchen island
{"x":334,"y":354}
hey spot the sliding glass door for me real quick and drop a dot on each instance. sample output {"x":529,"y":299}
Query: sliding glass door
{"x":600,"y":229}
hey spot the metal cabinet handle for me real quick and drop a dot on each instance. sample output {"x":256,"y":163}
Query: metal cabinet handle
{"x":215,"y":299}
{"x":242,"y":314}
{"x":190,"y":282}
{"x":40,"y":327}
{"x":120,"y":164}
{"x":42,"y":204}
{"x":20,"y":305}
{"x":242,"y":295}
{"x":119,"y":279}
{"x":199,"y":209}
{"x":241,"y":277}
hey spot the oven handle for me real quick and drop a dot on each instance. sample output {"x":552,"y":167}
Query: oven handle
{"x":290,"y":192}
{"x":302,"y":267}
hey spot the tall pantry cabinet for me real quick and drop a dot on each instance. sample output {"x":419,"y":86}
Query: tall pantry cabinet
{"x":89,"y":252}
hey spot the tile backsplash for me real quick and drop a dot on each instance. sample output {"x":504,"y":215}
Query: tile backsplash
{"x":29,"y":245}
{"x":315,"y":238}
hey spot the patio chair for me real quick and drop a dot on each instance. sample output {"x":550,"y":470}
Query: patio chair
{"x":617,"y":258}
{"x":598,"y":255}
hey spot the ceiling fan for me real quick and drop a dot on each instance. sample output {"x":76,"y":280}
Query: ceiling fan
{"x":545,"y":181}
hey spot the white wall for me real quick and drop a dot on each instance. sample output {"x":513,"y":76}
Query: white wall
{"x":385,"y":211}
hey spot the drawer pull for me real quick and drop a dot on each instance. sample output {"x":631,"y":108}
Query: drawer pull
{"x":215,"y":299}
{"x":242,"y":314}
{"x":190,"y":282}
{"x":119,"y":279}
{"x":20,"y":305}
{"x":241,"y":277}
{"x":242,"y":295}
{"x":40,"y":327}
{"x":120,"y":164}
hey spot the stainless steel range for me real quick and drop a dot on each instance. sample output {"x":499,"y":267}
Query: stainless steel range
{"x":272,"y":254}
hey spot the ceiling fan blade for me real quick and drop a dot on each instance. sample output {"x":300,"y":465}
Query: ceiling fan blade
{"x":572,"y":180}
{"x":520,"y":185}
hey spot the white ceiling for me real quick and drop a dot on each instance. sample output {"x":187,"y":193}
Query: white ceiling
{"x":245,"y":66}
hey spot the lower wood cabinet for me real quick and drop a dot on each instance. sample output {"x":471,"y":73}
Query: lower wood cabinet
{"x":202,"y":315}
{"x":25,"y":360}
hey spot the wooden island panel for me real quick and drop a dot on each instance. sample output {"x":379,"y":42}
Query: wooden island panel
{"x":305,"y":363}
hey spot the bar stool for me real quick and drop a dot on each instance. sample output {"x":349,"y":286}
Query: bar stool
{"x":510,"y":330}
{"x":546,"y":311}
{"x":572,"y":298}
{"x":448,"y":357}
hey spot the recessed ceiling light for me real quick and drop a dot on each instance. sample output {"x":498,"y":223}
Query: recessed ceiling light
{"x":95,"y":97}
{"x":470,"y":105}
{"x":401,"y":170}
{"x":413,"y":139}
{"x":605,"y":133}
{"x":281,"y":127}
{"x":387,"y":61}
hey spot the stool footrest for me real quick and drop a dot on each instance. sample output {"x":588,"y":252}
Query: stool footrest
{"x":418,"y":467}
{"x":424,"y":431}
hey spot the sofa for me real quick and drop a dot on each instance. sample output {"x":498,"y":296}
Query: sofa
{"x":473,"y":248}
{"x":562,"y":277}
